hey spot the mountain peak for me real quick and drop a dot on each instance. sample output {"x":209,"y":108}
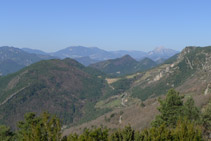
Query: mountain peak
{"x":57,"y":86}
{"x":161,"y":52}
{"x":124,"y":65}
{"x":127,"y":57}
{"x":187,"y":50}
{"x":159,"y":48}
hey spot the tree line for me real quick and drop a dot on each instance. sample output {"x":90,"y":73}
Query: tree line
{"x":178,"y":120}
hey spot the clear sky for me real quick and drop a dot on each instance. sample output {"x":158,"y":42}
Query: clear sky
{"x":51,"y":25}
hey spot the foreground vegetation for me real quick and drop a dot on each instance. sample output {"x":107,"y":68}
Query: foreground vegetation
{"x":178,"y":120}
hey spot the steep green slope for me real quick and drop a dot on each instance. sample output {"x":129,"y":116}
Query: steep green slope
{"x":190,"y":69}
{"x":124,"y":65}
{"x":134,"y":98}
{"x":86,"y":60}
{"x":63,"y":87}
{"x":145,"y":64}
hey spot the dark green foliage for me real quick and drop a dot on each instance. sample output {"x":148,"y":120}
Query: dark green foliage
{"x":191,"y":111}
{"x":124,"y":65}
{"x":184,"y":130}
{"x":121,"y":85}
{"x":171,"y":59}
{"x":118,"y":87}
{"x":156,"y":133}
{"x":206,"y":119}
{"x":92,"y":113}
{"x":5,"y":133}
{"x":142,"y":104}
{"x":182,"y":127}
{"x":150,"y":91}
{"x":63,"y":87}
{"x":45,"y":127}
{"x":187,"y":130}
{"x":34,"y":129}
{"x":96,"y":134}
{"x":146,"y":64}
{"x":126,"y":134}
{"x":171,"y":109}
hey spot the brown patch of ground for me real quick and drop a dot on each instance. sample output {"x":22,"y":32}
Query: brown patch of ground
{"x":15,"y":80}
{"x":111,"y":80}
{"x":139,"y":117}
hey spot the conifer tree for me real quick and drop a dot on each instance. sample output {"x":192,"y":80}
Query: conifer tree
{"x":5,"y":133}
{"x":187,"y":131}
{"x":171,"y":108}
{"x":191,"y":112}
{"x":206,"y":120}
{"x":43,"y":127}
{"x":126,"y":134}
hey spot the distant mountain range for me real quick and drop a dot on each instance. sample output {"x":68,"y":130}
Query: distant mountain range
{"x":77,"y":94}
{"x":94,"y":54}
{"x":161,"y":53}
{"x":123,"y":65}
{"x":13,"y":59}
{"x":34,"y":51}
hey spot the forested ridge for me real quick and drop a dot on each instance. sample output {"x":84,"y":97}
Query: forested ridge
{"x":179,"y":119}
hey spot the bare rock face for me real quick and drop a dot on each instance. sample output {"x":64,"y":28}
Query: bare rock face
{"x":189,"y":73}
{"x":185,"y":52}
{"x":207,"y":90}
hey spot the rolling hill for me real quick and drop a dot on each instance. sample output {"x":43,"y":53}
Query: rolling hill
{"x":63,"y":87}
{"x":124,"y":65}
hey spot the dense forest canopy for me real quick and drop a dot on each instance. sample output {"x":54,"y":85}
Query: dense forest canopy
{"x":178,"y":120}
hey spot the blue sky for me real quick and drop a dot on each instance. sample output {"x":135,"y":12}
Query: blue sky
{"x":51,"y":25}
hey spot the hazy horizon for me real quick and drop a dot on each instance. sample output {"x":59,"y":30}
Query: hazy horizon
{"x":109,"y":25}
{"x":92,"y":47}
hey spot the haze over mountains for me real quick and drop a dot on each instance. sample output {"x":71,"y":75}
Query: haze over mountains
{"x":105,"y":70}
{"x":97,"y":54}
{"x":13,"y":59}
{"x":79,"y":94}
{"x":124,"y":65}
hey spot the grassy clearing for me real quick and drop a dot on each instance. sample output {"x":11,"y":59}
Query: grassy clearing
{"x":109,"y":103}
{"x":111,"y":80}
